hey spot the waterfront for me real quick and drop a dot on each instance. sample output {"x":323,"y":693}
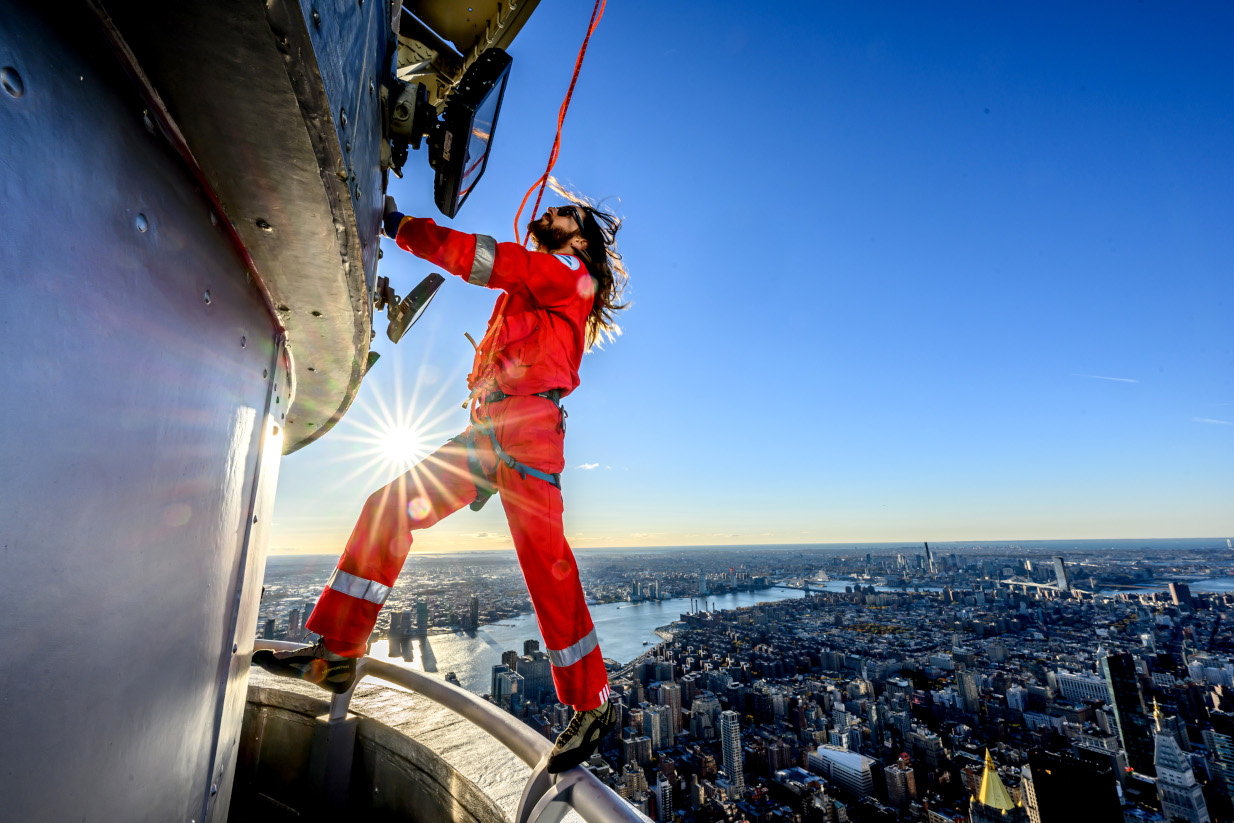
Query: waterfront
{"x":621,"y":627}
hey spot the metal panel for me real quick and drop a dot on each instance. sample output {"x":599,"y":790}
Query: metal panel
{"x":279,"y":102}
{"x":474,"y":25}
{"x":135,"y":370}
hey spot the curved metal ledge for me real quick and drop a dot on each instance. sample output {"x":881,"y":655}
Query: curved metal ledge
{"x":546,"y":798}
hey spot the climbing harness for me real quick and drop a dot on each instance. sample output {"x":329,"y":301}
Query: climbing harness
{"x":484,"y":428}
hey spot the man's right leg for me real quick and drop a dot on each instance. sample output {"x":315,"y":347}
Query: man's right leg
{"x":437,"y":486}
{"x":347,"y":610}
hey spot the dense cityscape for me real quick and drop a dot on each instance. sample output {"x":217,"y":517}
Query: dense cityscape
{"x":948,"y":684}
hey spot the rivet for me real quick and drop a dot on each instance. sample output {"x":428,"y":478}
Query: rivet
{"x":265,"y":372}
{"x":147,"y":122}
{"x":243,"y":341}
{"x":142,"y":223}
{"x":370,"y":87}
{"x":276,"y":400}
{"x":283,"y":308}
{"x":11,"y":80}
{"x":214,"y":788}
{"x":235,"y":647}
{"x":263,"y":225}
{"x":342,"y":116}
{"x":276,"y":431}
{"x":214,"y":219}
{"x":311,"y":368}
{"x":206,"y":297}
{"x":316,"y":20}
{"x":316,"y":313}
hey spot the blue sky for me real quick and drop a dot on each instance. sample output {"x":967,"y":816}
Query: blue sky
{"x":957,"y":273}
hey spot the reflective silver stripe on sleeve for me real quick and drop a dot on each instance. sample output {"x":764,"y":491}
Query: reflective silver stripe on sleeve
{"x":358,"y":587}
{"x":574,"y":653}
{"x":482,"y":266}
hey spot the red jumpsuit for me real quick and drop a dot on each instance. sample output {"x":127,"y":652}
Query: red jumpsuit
{"x":538,"y":348}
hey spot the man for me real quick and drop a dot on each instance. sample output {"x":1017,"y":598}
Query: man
{"x":558,"y":301}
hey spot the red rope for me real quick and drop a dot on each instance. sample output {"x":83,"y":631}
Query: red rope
{"x":596,"y":14}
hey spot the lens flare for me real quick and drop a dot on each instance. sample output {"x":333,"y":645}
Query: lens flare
{"x":418,"y":508}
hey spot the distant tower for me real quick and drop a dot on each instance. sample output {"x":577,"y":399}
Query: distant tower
{"x":992,"y":803}
{"x":1060,"y":573}
{"x":702,"y":583}
{"x":1180,"y":593}
{"x":929,"y":559}
{"x":730,"y":737}
{"x":530,"y":646}
{"x":421,"y":617}
{"x":1182,"y":798}
{"x":474,"y":622}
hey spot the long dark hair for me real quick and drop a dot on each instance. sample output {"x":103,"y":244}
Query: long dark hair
{"x":605,"y":265}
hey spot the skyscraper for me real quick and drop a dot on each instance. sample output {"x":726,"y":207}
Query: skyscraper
{"x":670,"y":697}
{"x":901,"y":782}
{"x":1049,"y":788}
{"x":993,"y":803}
{"x":1180,"y":593}
{"x":1220,"y":742}
{"x":497,"y":671}
{"x":421,"y":617}
{"x":474,"y":621}
{"x":1060,"y":574}
{"x":1134,"y":728}
{"x":530,"y":646}
{"x":1180,"y":793}
{"x":730,"y":737}
{"x":664,"y":799}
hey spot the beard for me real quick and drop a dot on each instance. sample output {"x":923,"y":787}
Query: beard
{"x":547,"y":236}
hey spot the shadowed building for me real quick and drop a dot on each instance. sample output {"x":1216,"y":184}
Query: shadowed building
{"x":1049,"y":787}
{"x":1134,"y":728}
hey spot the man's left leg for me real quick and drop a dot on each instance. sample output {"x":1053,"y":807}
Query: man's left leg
{"x":534,"y":510}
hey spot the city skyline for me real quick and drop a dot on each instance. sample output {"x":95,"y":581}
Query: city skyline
{"x":978,"y":291}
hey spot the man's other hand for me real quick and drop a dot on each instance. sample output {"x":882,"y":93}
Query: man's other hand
{"x":391,"y":218}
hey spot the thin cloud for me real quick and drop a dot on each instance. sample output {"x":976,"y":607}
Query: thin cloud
{"x":588,"y":466}
{"x":1111,"y":379}
{"x":1212,"y":420}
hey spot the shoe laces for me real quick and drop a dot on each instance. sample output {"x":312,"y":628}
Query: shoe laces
{"x":575,"y":723}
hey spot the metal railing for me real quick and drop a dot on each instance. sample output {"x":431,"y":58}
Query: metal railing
{"x":547,"y":798}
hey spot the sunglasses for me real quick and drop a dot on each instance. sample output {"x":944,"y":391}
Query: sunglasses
{"x":576,"y":213}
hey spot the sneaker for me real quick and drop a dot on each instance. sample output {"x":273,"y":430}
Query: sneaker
{"x":315,"y":664}
{"x":581,"y":737}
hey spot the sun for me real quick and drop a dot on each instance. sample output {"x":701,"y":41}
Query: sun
{"x":389,"y":430}
{"x":403,"y":445}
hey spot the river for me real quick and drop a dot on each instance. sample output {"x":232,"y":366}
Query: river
{"x":621,"y":627}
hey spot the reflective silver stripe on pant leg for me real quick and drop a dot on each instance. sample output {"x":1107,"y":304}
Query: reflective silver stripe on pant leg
{"x":358,"y":587}
{"x":573,"y":653}
{"x":482,"y":266}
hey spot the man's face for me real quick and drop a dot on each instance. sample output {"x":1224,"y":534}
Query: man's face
{"x":554,"y":230}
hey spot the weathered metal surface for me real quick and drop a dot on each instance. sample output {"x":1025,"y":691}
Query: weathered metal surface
{"x":279,"y":103}
{"x":390,"y":776}
{"x":472,"y":26}
{"x":137,"y":363}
